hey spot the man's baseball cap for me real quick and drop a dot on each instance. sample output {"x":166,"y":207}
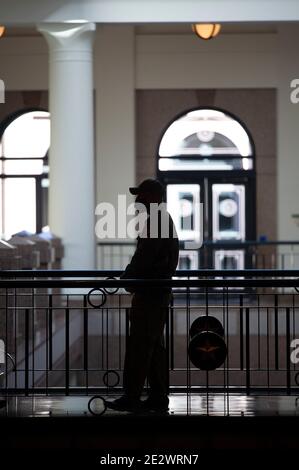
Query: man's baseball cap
{"x":149,"y":185}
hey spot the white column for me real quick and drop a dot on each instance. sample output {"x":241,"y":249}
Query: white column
{"x":71,"y":196}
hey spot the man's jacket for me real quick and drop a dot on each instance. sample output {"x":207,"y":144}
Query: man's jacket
{"x":154,"y":258}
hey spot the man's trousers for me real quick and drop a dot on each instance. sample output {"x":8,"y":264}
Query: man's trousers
{"x":145,"y":354}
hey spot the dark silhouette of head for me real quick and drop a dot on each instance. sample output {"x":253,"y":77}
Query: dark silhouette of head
{"x":148,"y":192}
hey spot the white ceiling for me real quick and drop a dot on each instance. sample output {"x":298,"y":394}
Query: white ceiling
{"x":147,"y":11}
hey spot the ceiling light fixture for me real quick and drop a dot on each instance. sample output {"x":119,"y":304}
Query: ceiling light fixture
{"x":206,"y":30}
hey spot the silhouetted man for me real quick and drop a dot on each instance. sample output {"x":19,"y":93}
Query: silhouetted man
{"x":156,"y":257}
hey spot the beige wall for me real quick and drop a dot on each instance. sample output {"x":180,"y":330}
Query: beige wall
{"x":18,"y":100}
{"x":288,"y":136}
{"x":183,"y":61}
{"x":114,"y":112}
{"x":24,"y":63}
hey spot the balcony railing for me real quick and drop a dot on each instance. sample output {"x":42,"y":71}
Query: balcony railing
{"x":66,"y":331}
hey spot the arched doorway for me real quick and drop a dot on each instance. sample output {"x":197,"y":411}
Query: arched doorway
{"x":24,"y":145}
{"x":207,"y":155}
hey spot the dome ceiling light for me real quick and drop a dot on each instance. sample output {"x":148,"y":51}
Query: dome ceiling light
{"x":206,"y":30}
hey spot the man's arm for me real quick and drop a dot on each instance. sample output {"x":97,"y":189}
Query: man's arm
{"x":142,"y":262}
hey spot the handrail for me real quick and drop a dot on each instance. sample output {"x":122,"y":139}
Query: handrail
{"x":149,"y":283}
{"x":214,"y":243}
{"x":50,"y":273}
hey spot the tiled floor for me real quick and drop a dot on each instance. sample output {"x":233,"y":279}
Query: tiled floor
{"x":180,"y":405}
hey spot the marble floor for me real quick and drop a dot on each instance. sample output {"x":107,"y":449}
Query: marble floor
{"x":180,"y":405}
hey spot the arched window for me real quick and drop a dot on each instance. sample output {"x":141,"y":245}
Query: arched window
{"x":205,"y":139}
{"x":206,"y":156}
{"x":24,"y":172}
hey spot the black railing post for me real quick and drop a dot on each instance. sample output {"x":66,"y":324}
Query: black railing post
{"x":27,"y":312}
{"x":247,"y":342}
{"x":6,"y":342}
{"x":241,"y":334}
{"x":67,"y":351}
{"x":288,"y":358}
{"x":167,"y":346}
{"x":50,"y":328}
{"x":127,"y":327}
{"x":85,"y":340}
{"x":276,"y":338}
{"x":171,"y":335}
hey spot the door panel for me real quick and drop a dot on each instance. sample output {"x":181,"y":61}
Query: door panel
{"x":181,"y":202}
{"x":229,"y":259}
{"x":228,"y":212}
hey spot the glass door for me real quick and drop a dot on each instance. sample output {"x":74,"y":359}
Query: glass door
{"x":225,"y":222}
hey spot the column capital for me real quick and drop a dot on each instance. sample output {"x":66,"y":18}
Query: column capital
{"x":69,"y":41}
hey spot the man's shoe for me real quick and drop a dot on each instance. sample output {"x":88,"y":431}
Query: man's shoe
{"x":159,"y":405}
{"x":124,"y":403}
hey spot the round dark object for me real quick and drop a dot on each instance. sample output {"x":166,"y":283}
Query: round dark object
{"x":111,"y":290}
{"x":92,"y":403}
{"x":206,"y":323}
{"x":102,"y":300}
{"x":207,"y":350}
{"x":106,"y":378}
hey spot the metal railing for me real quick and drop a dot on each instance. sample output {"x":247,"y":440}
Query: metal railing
{"x":248,"y":255}
{"x":67,"y":330}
